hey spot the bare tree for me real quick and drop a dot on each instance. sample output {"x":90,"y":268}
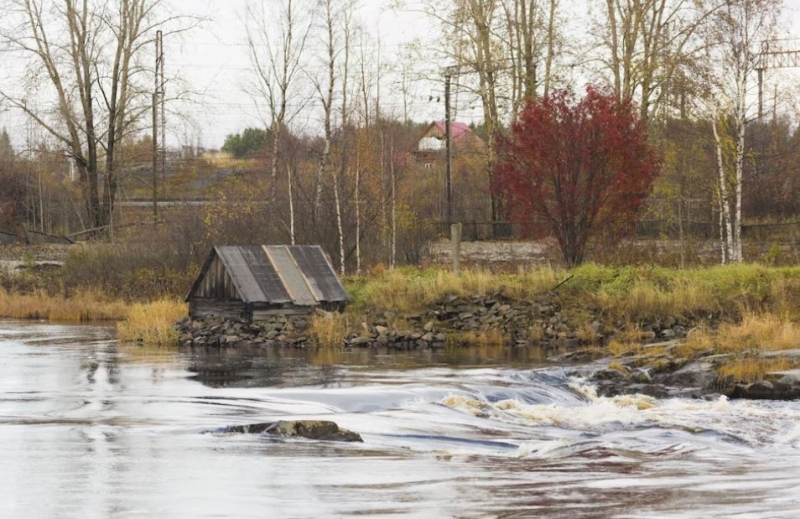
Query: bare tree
{"x":276,"y":52}
{"x":738,"y":29}
{"x":85,"y":54}
{"x":646,"y":44}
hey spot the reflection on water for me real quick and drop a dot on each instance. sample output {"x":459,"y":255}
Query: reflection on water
{"x":91,"y":428}
{"x":269,"y":367}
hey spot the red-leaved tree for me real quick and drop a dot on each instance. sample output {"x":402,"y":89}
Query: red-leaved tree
{"x":576,"y":169}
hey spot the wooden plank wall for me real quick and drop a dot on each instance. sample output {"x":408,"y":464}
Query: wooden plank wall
{"x":233,"y":310}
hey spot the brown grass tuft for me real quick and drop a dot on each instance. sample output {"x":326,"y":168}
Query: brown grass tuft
{"x":329,"y":330}
{"x":751,"y":369}
{"x":81,"y":307}
{"x":152,"y":323}
{"x":755,"y":332}
{"x":490,"y":337}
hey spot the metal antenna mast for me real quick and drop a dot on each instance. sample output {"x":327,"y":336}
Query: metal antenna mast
{"x":773,"y":58}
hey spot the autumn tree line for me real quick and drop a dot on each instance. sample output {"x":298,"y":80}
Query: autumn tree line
{"x":673,"y":133}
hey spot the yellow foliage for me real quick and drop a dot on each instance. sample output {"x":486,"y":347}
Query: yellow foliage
{"x":751,"y":369}
{"x":80,"y":307}
{"x":329,"y":330}
{"x":490,"y":337}
{"x":756,"y":332}
{"x":152,"y":323}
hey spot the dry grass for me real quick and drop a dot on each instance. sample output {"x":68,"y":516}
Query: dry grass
{"x":490,"y":337}
{"x":756,"y":332}
{"x":619,"y":367}
{"x":152,"y":323}
{"x":409,"y":290}
{"x":536,"y":332}
{"x":329,"y":330}
{"x":751,"y":369}
{"x":620,"y":348}
{"x":637,"y":293}
{"x":81,"y":307}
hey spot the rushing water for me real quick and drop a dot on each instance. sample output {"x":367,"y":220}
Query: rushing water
{"x":90,"y":428}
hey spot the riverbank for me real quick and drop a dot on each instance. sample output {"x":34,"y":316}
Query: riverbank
{"x":721,"y":329}
{"x":735,"y":324}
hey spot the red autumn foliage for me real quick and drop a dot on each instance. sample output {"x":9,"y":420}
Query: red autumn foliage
{"x":576,"y":169}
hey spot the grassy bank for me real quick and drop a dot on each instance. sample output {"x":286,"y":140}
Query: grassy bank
{"x":81,"y":306}
{"x":630,"y":294}
{"x":736,"y":310}
{"x":152,"y":323}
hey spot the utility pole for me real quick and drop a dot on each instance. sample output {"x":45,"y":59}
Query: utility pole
{"x":769,"y":58}
{"x":449,"y":72}
{"x":162,"y":96}
{"x":155,"y":158}
{"x":158,"y":98}
{"x":448,"y":140}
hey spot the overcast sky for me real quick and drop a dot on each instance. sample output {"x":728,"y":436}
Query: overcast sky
{"x":213,"y":63}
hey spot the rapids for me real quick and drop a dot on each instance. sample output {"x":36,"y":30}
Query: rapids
{"x":92,"y":428}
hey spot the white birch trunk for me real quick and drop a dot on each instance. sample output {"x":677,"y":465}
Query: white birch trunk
{"x":725,"y":208}
{"x":722,"y":246}
{"x":741,"y":128}
{"x":339,"y":223}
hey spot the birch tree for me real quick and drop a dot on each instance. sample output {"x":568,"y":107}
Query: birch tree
{"x":276,"y":43}
{"x":738,"y":29}
{"x":647,"y":43}
{"x":85,"y":58}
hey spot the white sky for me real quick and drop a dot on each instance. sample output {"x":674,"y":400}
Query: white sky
{"x":213,"y":61}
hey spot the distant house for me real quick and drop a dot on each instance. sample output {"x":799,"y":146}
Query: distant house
{"x":252,"y":283}
{"x":432,"y":145}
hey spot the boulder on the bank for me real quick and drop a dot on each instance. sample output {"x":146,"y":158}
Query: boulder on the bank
{"x":324,"y":430}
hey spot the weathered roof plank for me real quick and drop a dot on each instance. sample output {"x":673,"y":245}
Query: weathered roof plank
{"x":291,"y":275}
{"x":317,"y":269}
{"x":240,"y":273}
{"x":266,"y":276}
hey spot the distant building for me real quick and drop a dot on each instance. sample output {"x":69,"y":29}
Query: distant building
{"x":432,"y":146}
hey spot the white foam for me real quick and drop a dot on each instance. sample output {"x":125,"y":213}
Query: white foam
{"x":748,"y":421}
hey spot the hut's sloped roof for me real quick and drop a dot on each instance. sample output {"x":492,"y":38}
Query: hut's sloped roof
{"x":319,"y":273}
{"x":277,"y":274}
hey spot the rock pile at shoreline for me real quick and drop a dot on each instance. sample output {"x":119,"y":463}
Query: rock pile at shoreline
{"x":451,"y":321}
{"x":279,"y":330}
{"x":662,"y":374}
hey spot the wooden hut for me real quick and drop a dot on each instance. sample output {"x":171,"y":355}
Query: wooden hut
{"x":253,"y":283}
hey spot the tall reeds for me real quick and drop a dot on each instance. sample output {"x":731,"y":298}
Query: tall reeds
{"x":79,"y":307}
{"x":152,"y":323}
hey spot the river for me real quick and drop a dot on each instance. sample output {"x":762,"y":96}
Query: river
{"x":90,"y":428}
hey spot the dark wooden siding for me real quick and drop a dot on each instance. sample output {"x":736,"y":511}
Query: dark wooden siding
{"x":227,"y":309}
{"x":217,"y":283}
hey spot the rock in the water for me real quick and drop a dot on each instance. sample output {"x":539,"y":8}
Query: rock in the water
{"x":700,"y":375}
{"x":310,"y":429}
